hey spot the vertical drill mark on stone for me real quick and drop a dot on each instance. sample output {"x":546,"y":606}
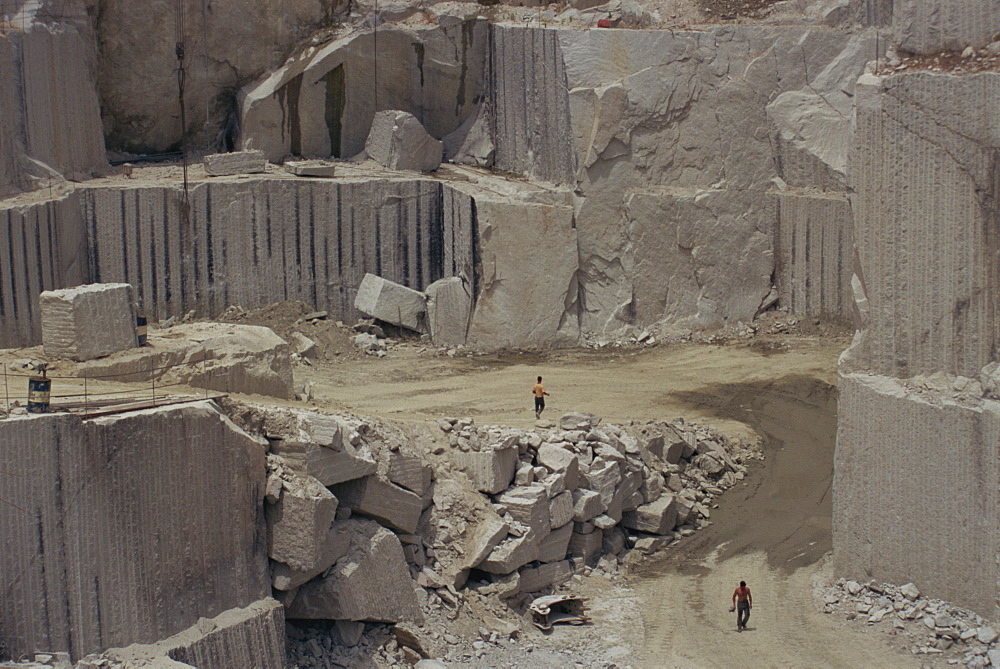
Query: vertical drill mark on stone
{"x":335,"y":101}
{"x":294,"y":122}
{"x":312,"y":248}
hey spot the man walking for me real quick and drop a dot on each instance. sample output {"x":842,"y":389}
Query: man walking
{"x":539,"y":392}
{"x":742,"y":603}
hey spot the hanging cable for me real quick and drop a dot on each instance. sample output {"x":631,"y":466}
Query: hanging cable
{"x":375,"y":40}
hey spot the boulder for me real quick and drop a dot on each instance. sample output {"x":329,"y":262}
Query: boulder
{"x":449,"y":308}
{"x":586,"y":505}
{"x":534,"y":579}
{"x":250,"y":636}
{"x":554,"y":546}
{"x":586,"y":546}
{"x":389,"y":504}
{"x":410,"y":472}
{"x":490,"y":470}
{"x":560,"y":460}
{"x":486,"y":535}
{"x":302,"y":345}
{"x":298,"y":523}
{"x":370,"y":582}
{"x":512,"y":553}
{"x":327,"y":465}
{"x":334,"y":547}
{"x":237,"y":162}
{"x":603,"y":477}
{"x":659,"y":517}
{"x":576,"y":420}
{"x":561,"y":509}
{"x":398,"y":141}
{"x":88,"y":322}
{"x":391,"y":302}
{"x":528,"y":505}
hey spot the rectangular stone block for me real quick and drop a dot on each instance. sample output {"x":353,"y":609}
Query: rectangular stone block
{"x":586,"y":546}
{"x":410,"y":472}
{"x":587,"y":504}
{"x":395,"y":507}
{"x":88,"y":322}
{"x":561,"y":509}
{"x":561,"y":461}
{"x":391,"y":302}
{"x":449,"y":309}
{"x":371,"y":582}
{"x":237,"y":162}
{"x":528,"y":505}
{"x":285,"y":577}
{"x":311,"y":168}
{"x":329,"y":466}
{"x":486,"y":535}
{"x":512,"y":553}
{"x":534,"y":579}
{"x":490,"y":470}
{"x":249,"y":637}
{"x":657,"y":517}
{"x":554,"y":546}
{"x":299,"y":521}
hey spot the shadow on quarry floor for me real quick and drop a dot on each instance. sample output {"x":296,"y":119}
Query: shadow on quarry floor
{"x":784,"y":508}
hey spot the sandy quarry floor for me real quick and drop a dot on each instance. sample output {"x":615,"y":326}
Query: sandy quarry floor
{"x":773,"y":531}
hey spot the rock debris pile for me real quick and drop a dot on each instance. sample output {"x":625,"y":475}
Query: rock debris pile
{"x":931,"y":626}
{"x":371,"y":522}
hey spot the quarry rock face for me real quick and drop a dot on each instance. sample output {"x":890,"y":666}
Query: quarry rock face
{"x":929,"y":26}
{"x":322,"y":102}
{"x":49,"y":113}
{"x":398,"y":141}
{"x":88,"y":322}
{"x":121,"y":522}
{"x":529,"y":259}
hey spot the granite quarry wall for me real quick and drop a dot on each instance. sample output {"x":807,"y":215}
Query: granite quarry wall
{"x":916,"y":470}
{"x":127,"y":528}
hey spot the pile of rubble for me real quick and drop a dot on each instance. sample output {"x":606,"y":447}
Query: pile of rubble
{"x":369,"y":522}
{"x":931,"y":626}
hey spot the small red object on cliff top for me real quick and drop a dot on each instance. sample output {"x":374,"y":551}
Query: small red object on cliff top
{"x":604,"y":23}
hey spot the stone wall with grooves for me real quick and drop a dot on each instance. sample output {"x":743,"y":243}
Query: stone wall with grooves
{"x":248,"y":243}
{"x":42,"y":247}
{"x":126,"y":529}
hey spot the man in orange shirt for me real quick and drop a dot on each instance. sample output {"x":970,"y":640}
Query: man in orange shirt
{"x":742,"y":603}
{"x":539,"y":392}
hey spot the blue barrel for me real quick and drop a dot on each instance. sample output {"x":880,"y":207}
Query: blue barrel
{"x":140,"y":329}
{"x":39,"y":391}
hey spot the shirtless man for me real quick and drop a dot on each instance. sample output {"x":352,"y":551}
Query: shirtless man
{"x":539,"y":392}
{"x":742,"y":603}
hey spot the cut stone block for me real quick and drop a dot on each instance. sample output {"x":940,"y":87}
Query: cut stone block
{"x":249,"y":637}
{"x":395,"y":507}
{"x":512,"y":553}
{"x":534,"y":579}
{"x":659,"y":517}
{"x":398,"y":141}
{"x":88,"y":322}
{"x":311,"y":168}
{"x":329,"y":466}
{"x":410,"y":472}
{"x":371,"y":582}
{"x":299,"y":522}
{"x":586,"y":546}
{"x":237,"y":162}
{"x":528,"y":505}
{"x":449,"y":308}
{"x":586,"y":505}
{"x":303,"y":345}
{"x":561,"y":509}
{"x":490,"y":470}
{"x":335,"y":546}
{"x":486,"y":536}
{"x":554,"y":546}
{"x":603,"y":477}
{"x":560,"y":460}
{"x":391,"y":302}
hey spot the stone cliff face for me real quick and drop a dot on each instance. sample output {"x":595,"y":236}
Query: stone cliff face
{"x":917,"y":472}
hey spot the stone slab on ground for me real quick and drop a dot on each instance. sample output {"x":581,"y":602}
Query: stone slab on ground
{"x":371,"y":582}
{"x":449,"y":308}
{"x":389,"y":504}
{"x":299,"y":521}
{"x":218,"y":356}
{"x":398,"y":141}
{"x":311,"y":168}
{"x":391,"y":302}
{"x":88,"y":322}
{"x":237,"y":162}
